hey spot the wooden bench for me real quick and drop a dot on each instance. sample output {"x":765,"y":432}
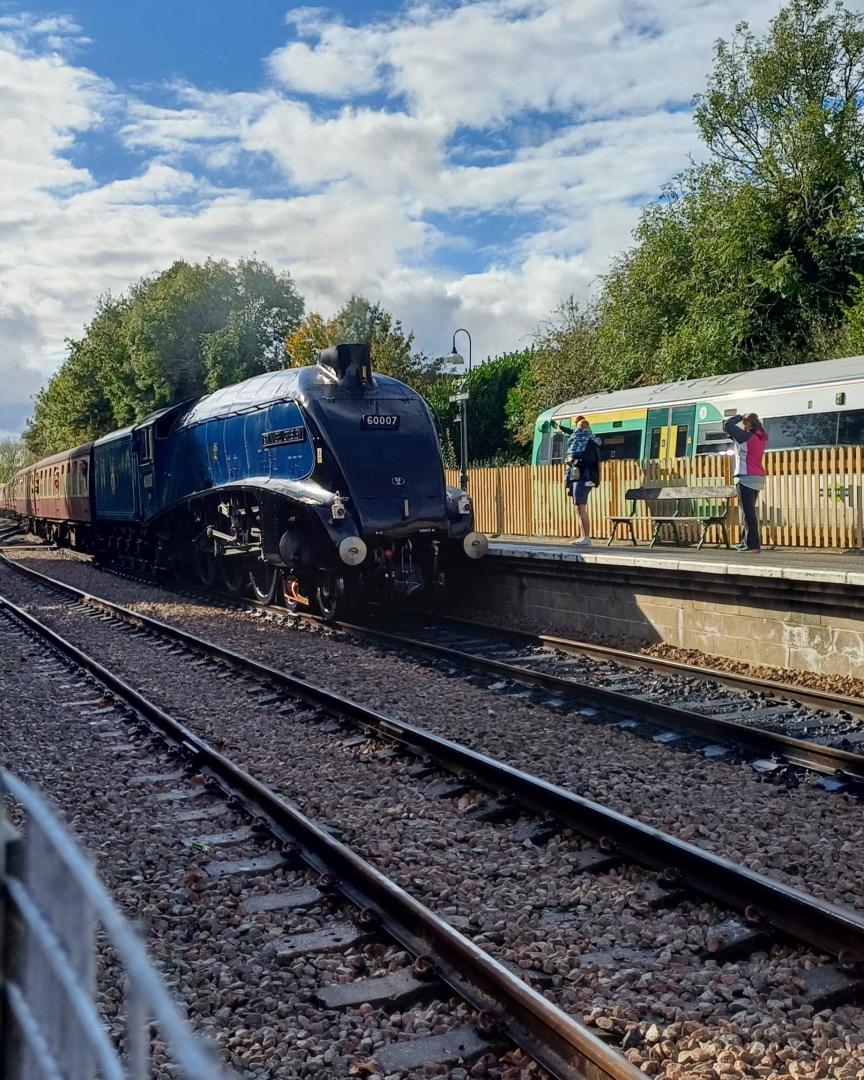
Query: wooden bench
{"x":715,"y":492}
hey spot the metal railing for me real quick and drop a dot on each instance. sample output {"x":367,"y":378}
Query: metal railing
{"x":51,"y":907}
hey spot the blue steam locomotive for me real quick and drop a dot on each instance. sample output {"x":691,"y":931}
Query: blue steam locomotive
{"x":322,"y":484}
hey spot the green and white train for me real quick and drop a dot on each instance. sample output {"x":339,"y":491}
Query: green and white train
{"x":802,"y":405}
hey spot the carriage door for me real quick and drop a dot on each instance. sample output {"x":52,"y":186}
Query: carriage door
{"x":681,"y":427}
{"x":656,"y":434}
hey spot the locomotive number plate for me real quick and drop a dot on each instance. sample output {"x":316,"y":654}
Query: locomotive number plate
{"x":283,"y":437}
{"x":379,"y":422}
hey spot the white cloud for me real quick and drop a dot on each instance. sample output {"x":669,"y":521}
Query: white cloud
{"x":370,"y":163}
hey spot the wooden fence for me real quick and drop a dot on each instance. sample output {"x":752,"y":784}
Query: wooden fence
{"x":812,"y":498}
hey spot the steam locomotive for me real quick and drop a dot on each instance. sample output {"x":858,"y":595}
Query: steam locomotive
{"x":320,"y":485}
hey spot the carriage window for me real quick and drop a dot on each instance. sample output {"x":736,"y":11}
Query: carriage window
{"x":681,"y":434}
{"x":712,"y":439}
{"x":810,"y":429}
{"x":851,"y":431}
{"x":620,"y":445}
{"x":557,"y":453}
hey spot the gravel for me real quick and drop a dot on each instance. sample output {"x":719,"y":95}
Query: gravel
{"x":634,"y":972}
{"x":216,"y":958}
{"x":802,"y":836}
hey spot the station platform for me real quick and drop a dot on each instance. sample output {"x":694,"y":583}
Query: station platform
{"x":803,"y":564}
{"x":791,"y":609}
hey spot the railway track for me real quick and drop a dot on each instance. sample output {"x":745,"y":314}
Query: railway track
{"x":506,"y":1008}
{"x":722,"y":713}
{"x":767,"y":907}
{"x":781,"y":727}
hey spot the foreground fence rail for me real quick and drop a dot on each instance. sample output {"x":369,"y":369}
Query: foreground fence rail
{"x":51,"y":907}
{"x":812,"y":498}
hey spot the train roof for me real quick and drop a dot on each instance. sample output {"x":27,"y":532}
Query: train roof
{"x":819,"y":372}
{"x":290,"y":383}
{"x":76,"y":451}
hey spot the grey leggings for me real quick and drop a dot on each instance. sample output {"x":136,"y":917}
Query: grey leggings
{"x":747,"y":498}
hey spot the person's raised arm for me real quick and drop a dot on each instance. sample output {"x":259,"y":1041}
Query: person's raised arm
{"x":734,"y":432}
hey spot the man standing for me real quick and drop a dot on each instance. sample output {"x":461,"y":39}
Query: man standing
{"x":751,"y":442}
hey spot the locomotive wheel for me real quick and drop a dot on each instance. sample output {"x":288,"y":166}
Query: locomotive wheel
{"x":331,"y":595}
{"x":235,"y":574}
{"x":205,"y":566}
{"x":263,"y":577}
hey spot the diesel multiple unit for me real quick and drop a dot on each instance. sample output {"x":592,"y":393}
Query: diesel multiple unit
{"x":323,"y":482}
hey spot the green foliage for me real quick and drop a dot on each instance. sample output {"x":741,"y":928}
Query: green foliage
{"x":752,"y":259}
{"x":178,"y":335}
{"x":489,"y":386}
{"x":13,"y":456}
{"x":562,"y":364}
{"x":359,"y":320}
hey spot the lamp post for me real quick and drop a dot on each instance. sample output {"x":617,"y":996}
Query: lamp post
{"x":462,"y":398}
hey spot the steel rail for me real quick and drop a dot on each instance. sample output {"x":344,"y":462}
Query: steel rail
{"x":546,"y":1033}
{"x":762,"y":900}
{"x":801,"y":752}
{"x":803,"y":695}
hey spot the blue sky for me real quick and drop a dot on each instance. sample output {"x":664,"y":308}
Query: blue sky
{"x":465,"y":164}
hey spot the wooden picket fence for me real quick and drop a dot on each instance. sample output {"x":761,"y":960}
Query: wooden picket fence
{"x":812,"y":498}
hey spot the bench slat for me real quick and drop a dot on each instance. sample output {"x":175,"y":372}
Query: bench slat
{"x":705,"y":491}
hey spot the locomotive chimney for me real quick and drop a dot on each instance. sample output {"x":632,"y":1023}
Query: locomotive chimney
{"x":351,"y":364}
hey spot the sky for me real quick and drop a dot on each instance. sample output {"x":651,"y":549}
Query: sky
{"x":464,"y":164}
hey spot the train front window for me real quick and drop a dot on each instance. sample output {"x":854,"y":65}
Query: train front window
{"x":557,"y":449}
{"x":543,"y":452}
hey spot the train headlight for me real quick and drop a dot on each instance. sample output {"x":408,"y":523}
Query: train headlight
{"x":464,"y":504}
{"x":476,"y":545}
{"x":352,"y":550}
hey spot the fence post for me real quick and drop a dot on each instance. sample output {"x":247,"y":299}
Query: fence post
{"x":499,"y":504}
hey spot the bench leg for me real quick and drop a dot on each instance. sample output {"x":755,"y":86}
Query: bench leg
{"x":657,"y":526}
{"x":725,"y":534}
{"x":612,"y":534}
{"x":633,"y":533}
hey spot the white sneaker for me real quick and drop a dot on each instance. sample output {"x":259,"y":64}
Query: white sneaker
{"x":583,"y":541}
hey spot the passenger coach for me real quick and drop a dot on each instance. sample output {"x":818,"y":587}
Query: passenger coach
{"x":802,"y":405}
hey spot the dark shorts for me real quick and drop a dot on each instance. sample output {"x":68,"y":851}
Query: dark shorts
{"x":580,"y":493}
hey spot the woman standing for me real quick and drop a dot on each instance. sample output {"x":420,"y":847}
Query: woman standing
{"x":583,"y":473}
{"x":751,"y":442}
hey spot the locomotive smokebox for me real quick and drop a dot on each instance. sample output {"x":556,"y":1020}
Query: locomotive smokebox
{"x":351,"y":364}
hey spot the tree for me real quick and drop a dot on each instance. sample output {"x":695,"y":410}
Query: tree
{"x":13,"y":456}
{"x":359,"y":320}
{"x":180,"y":334}
{"x":563,"y":363}
{"x":303,"y":343}
{"x":752,"y":259}
{"x":488,"y":387}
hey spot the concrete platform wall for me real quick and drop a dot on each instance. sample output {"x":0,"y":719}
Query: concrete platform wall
{"x":803,"y":625}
